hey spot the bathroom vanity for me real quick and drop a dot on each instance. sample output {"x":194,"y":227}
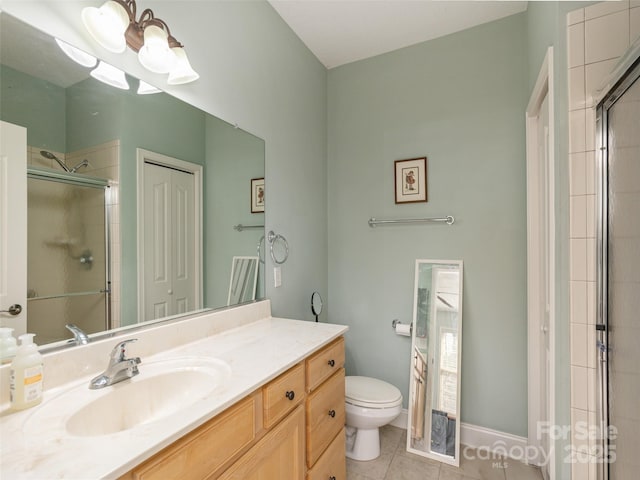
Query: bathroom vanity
{"x":277,"y":408}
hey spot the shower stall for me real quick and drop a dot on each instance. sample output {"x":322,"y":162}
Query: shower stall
{"x":68,"y":273}
{"x":618,"y":322}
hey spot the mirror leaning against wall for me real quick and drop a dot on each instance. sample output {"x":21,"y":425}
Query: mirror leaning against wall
{"x":434,"y":405}
{"x":132,"y":196}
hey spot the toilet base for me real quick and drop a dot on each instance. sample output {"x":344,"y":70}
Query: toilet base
{"x":366,"y":445}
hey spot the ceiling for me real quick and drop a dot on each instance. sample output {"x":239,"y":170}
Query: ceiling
{"x":343,"y":31}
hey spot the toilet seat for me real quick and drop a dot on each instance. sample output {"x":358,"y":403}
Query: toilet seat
{"x":371,"y":393}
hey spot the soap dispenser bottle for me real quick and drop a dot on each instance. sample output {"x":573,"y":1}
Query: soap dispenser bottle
{"x":26,"y":374}
{"x":7,"y":345}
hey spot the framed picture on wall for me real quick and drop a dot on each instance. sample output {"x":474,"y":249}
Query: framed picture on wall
{"x":411,"y":180}
{"x":257,"y":195}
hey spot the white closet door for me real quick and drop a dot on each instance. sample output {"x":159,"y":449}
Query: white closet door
{"x":169,"y":232}
{"x":183,"y":240}
{"x":13,"y":225}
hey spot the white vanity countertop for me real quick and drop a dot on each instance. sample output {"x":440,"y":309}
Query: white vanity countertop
{"x":257,"y":353}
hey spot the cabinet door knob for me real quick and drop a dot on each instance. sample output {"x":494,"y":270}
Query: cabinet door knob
{"x":332,"y":477}
{"x":331,"y":363}
{"x":290,"y":395}
{"x":332,"y":413}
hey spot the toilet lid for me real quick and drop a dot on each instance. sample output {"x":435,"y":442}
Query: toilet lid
{"x":371,"y":392}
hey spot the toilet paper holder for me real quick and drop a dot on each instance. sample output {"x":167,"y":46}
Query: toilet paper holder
{"x":396,"y":322}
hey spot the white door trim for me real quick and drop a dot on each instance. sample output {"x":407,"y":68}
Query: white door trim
{"x":536,"y":193}
{"x":196,"y":170}
{"x":13,"y":225}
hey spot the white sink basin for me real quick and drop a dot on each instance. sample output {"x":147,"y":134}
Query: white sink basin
{"x":161,"y":389}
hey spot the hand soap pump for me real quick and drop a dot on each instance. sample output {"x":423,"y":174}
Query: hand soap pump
{"x":26,"y":374}
{"x":7,"y":345}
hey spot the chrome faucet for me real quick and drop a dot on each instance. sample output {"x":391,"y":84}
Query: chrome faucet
{"x":79,"y":337}
{"x":120,"y":367}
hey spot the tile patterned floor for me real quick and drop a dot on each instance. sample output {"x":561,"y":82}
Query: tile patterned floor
{"x":395,"y":463}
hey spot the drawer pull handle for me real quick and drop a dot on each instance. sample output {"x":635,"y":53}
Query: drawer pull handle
{"x":331,"y":363}
{"x":332,"y":477}
{"x":290,"y":395}
{"x":332,"y":413}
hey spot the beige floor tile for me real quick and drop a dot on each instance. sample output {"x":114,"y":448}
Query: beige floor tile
{"x":412,"y":468}
{"x":357,"y":476}
{"x":390,"y":438}
{"x":481,"y":465}
{"x":373,"y":469}
{"x":519,"y":471}
{"x":449,"y":473}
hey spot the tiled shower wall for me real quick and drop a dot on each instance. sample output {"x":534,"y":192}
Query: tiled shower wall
{"x":596,"y":36}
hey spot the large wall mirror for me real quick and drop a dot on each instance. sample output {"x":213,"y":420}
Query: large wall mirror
{"x":132,"y":194}
{"x":434,"y":406}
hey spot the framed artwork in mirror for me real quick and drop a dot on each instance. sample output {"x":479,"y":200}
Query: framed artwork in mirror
{"x":257,"y":195}
{"x":411,"y":180}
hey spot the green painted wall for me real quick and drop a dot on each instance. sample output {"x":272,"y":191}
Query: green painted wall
{"x":40,"y":105}
{"x":234,"y":159}
{"x":546,"y":26}
{"x":459,"y":100}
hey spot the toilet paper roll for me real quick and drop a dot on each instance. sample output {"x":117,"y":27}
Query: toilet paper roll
{"x":403,"y":329}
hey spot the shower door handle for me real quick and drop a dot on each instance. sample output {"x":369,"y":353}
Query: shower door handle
{"x":14,"y":309}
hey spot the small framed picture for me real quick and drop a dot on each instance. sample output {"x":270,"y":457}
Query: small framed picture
{"x":257,"y":195}
{"x":411,"y":180}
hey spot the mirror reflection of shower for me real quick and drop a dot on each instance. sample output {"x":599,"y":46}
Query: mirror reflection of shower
{"x":64,"y":166}
{"x":68,"y":266}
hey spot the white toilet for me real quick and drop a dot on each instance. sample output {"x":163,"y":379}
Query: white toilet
{"x":370,"y":404}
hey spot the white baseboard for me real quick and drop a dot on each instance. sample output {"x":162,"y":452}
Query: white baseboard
{"x":401,"y":420}
{"x":492,"y":440}
{"x":478,"y":437}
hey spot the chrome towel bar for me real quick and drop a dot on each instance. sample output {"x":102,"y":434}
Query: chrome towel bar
{"x":449,"y":220}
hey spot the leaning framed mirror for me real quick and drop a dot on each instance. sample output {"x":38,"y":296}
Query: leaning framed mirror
{"x":434,"y":394}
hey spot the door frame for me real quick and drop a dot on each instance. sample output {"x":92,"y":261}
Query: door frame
{"x":188,"y":167}
{"x":538,"y":194}
{"x":13,"y":225}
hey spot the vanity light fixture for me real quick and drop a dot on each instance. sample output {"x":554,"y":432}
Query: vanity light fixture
{"x":114,"y":27}
{"x":110,"y":75}
{"x":145,"y":89}
{"x":77,"y":55}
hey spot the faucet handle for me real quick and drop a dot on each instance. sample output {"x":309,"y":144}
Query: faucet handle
{"x":119,"y":352}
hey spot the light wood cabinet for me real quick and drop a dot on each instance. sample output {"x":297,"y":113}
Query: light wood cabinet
{"x":325,"y":413}
{"x":281,"y":395}
{"x":290,"y":429}
{"x":279,"y":455}
{"x":331,"y":464}
{"x":325,"y":416}
{"x":208,"y":448}
{"x":324,"y":363}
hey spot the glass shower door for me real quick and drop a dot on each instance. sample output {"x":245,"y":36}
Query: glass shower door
{"x":66,"y":258}
{"x":622,"y":280}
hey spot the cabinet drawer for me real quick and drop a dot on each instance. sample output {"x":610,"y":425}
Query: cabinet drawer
{"x":332,"y":464}
{"x":281,"y":395}
{"x":325,"y":416}
{"x":206,"y":449}
{"x":323,"y":364}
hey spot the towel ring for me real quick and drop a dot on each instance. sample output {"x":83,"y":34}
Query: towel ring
{"x":272,"y":238}
{"x":259,"y":249}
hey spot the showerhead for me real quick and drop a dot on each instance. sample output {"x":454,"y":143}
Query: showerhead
{"x":51,"y":156}
{"x":83,"y":163}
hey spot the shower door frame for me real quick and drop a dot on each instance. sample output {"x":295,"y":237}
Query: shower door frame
{"x":626,"y":74}
{"x":45,"y":174}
